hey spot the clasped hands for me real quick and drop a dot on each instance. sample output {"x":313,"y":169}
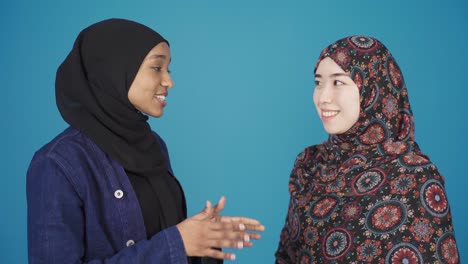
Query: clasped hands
{"x":204,"y":232}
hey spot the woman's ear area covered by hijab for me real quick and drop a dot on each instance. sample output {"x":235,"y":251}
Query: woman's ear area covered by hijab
{"x":149,"y":89}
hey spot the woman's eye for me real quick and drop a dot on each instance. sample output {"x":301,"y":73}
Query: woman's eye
{"x":338,"y":82}
{"x":160,"y":69}
{"x":317,"y":83}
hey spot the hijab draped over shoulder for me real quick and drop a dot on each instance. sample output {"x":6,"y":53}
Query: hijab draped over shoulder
{"x":92,"y":96}
{"x":368,"y":195}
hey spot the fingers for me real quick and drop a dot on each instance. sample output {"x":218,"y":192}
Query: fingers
{"x":207,"y":213}
{"x":249,"y":223}
{"x":220,"y":205}
{"x":248,"y":244}
{"x":230,"y":235}
{"x":259,"y":228}
{"x":254,"y":236}
{"x":225,"y":243}
{"x":235,"y":235}
{"x":208,"y":208}
{"x":244,"y":220}
{"x":213,"y":253}
{"x":227,"y":226}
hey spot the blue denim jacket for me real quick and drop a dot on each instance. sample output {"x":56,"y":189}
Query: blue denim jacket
{"x":82,"y":209}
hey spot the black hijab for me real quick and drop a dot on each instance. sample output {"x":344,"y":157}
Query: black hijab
{"x":92,"y":96}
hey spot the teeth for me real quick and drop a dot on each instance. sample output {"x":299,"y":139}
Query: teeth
{"x":161,"y":97}
{"x":330,"y":113}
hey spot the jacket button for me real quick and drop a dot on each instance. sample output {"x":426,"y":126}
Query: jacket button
{"x":118,"y":194}
{"x":130,"y":243}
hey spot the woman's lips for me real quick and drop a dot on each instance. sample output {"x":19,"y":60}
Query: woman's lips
{"x":161,"y":98}
{"x":329,"y":114}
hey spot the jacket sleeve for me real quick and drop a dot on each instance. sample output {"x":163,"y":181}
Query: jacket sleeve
{"x":56,"y":226}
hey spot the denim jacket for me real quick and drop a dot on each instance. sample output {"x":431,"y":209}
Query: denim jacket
{"x":82,"y":209}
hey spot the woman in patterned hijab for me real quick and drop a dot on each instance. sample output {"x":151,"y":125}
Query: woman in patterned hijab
{"x":368,"y":194}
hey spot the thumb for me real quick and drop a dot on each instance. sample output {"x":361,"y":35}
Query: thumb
{"x":208,"y":211}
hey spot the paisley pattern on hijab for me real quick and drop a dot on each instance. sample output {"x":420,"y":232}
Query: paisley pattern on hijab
{"x":368,"y":195}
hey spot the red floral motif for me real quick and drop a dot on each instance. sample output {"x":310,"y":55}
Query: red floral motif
{"x":405,"y":126}
{"x":351,"y":163}
{"x":422,"y":229}
{"x":373,"y":135}
{"x":436,"y":199}
{"x":369,"y":99}
{"x":341,"y":57}
{"x":414,"y":159}
{"x":357,"y":79}
{"x":323,"y":207}
{"x":386,"y":217}
{"x":450,"y":251}
{"x":395,"y":74}
{"x":405,"y":256}
{"x":395,"y":147}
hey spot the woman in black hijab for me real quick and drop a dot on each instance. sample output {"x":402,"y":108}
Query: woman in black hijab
{"x":103,"y":190}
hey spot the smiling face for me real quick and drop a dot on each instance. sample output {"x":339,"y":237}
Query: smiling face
{"x":336,"y":97}
{"x":150,"y":87}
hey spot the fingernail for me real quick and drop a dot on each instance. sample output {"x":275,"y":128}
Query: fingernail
{"x":232,"y":257}
{"x":246,"y":238}
{"x":241,"y":227}
{"x":240,"y":244}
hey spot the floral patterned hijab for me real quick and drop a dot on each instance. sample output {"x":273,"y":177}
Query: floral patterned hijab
{"x":385,"y":114}
{"x":385,"y":128}
{"x":369,"y":194}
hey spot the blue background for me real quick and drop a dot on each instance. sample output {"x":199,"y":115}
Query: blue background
{"x":241,"y":109}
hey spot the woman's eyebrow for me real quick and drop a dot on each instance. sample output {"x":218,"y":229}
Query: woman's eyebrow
{"x":339,"y":74}
{"x":158,"y":56}
{"x":332,"y":75}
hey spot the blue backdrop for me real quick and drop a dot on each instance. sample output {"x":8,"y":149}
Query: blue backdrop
{"x":241,"y":108}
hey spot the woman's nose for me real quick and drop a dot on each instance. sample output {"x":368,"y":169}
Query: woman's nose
{"x":167,"y":81}
{"x":326,"y":96}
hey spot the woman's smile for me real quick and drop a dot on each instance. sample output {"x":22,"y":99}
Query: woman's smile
{"x":161,"y":99}
{"x":329,"y":114}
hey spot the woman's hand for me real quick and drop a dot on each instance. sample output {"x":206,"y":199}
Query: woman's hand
{"x":207,"y":230}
